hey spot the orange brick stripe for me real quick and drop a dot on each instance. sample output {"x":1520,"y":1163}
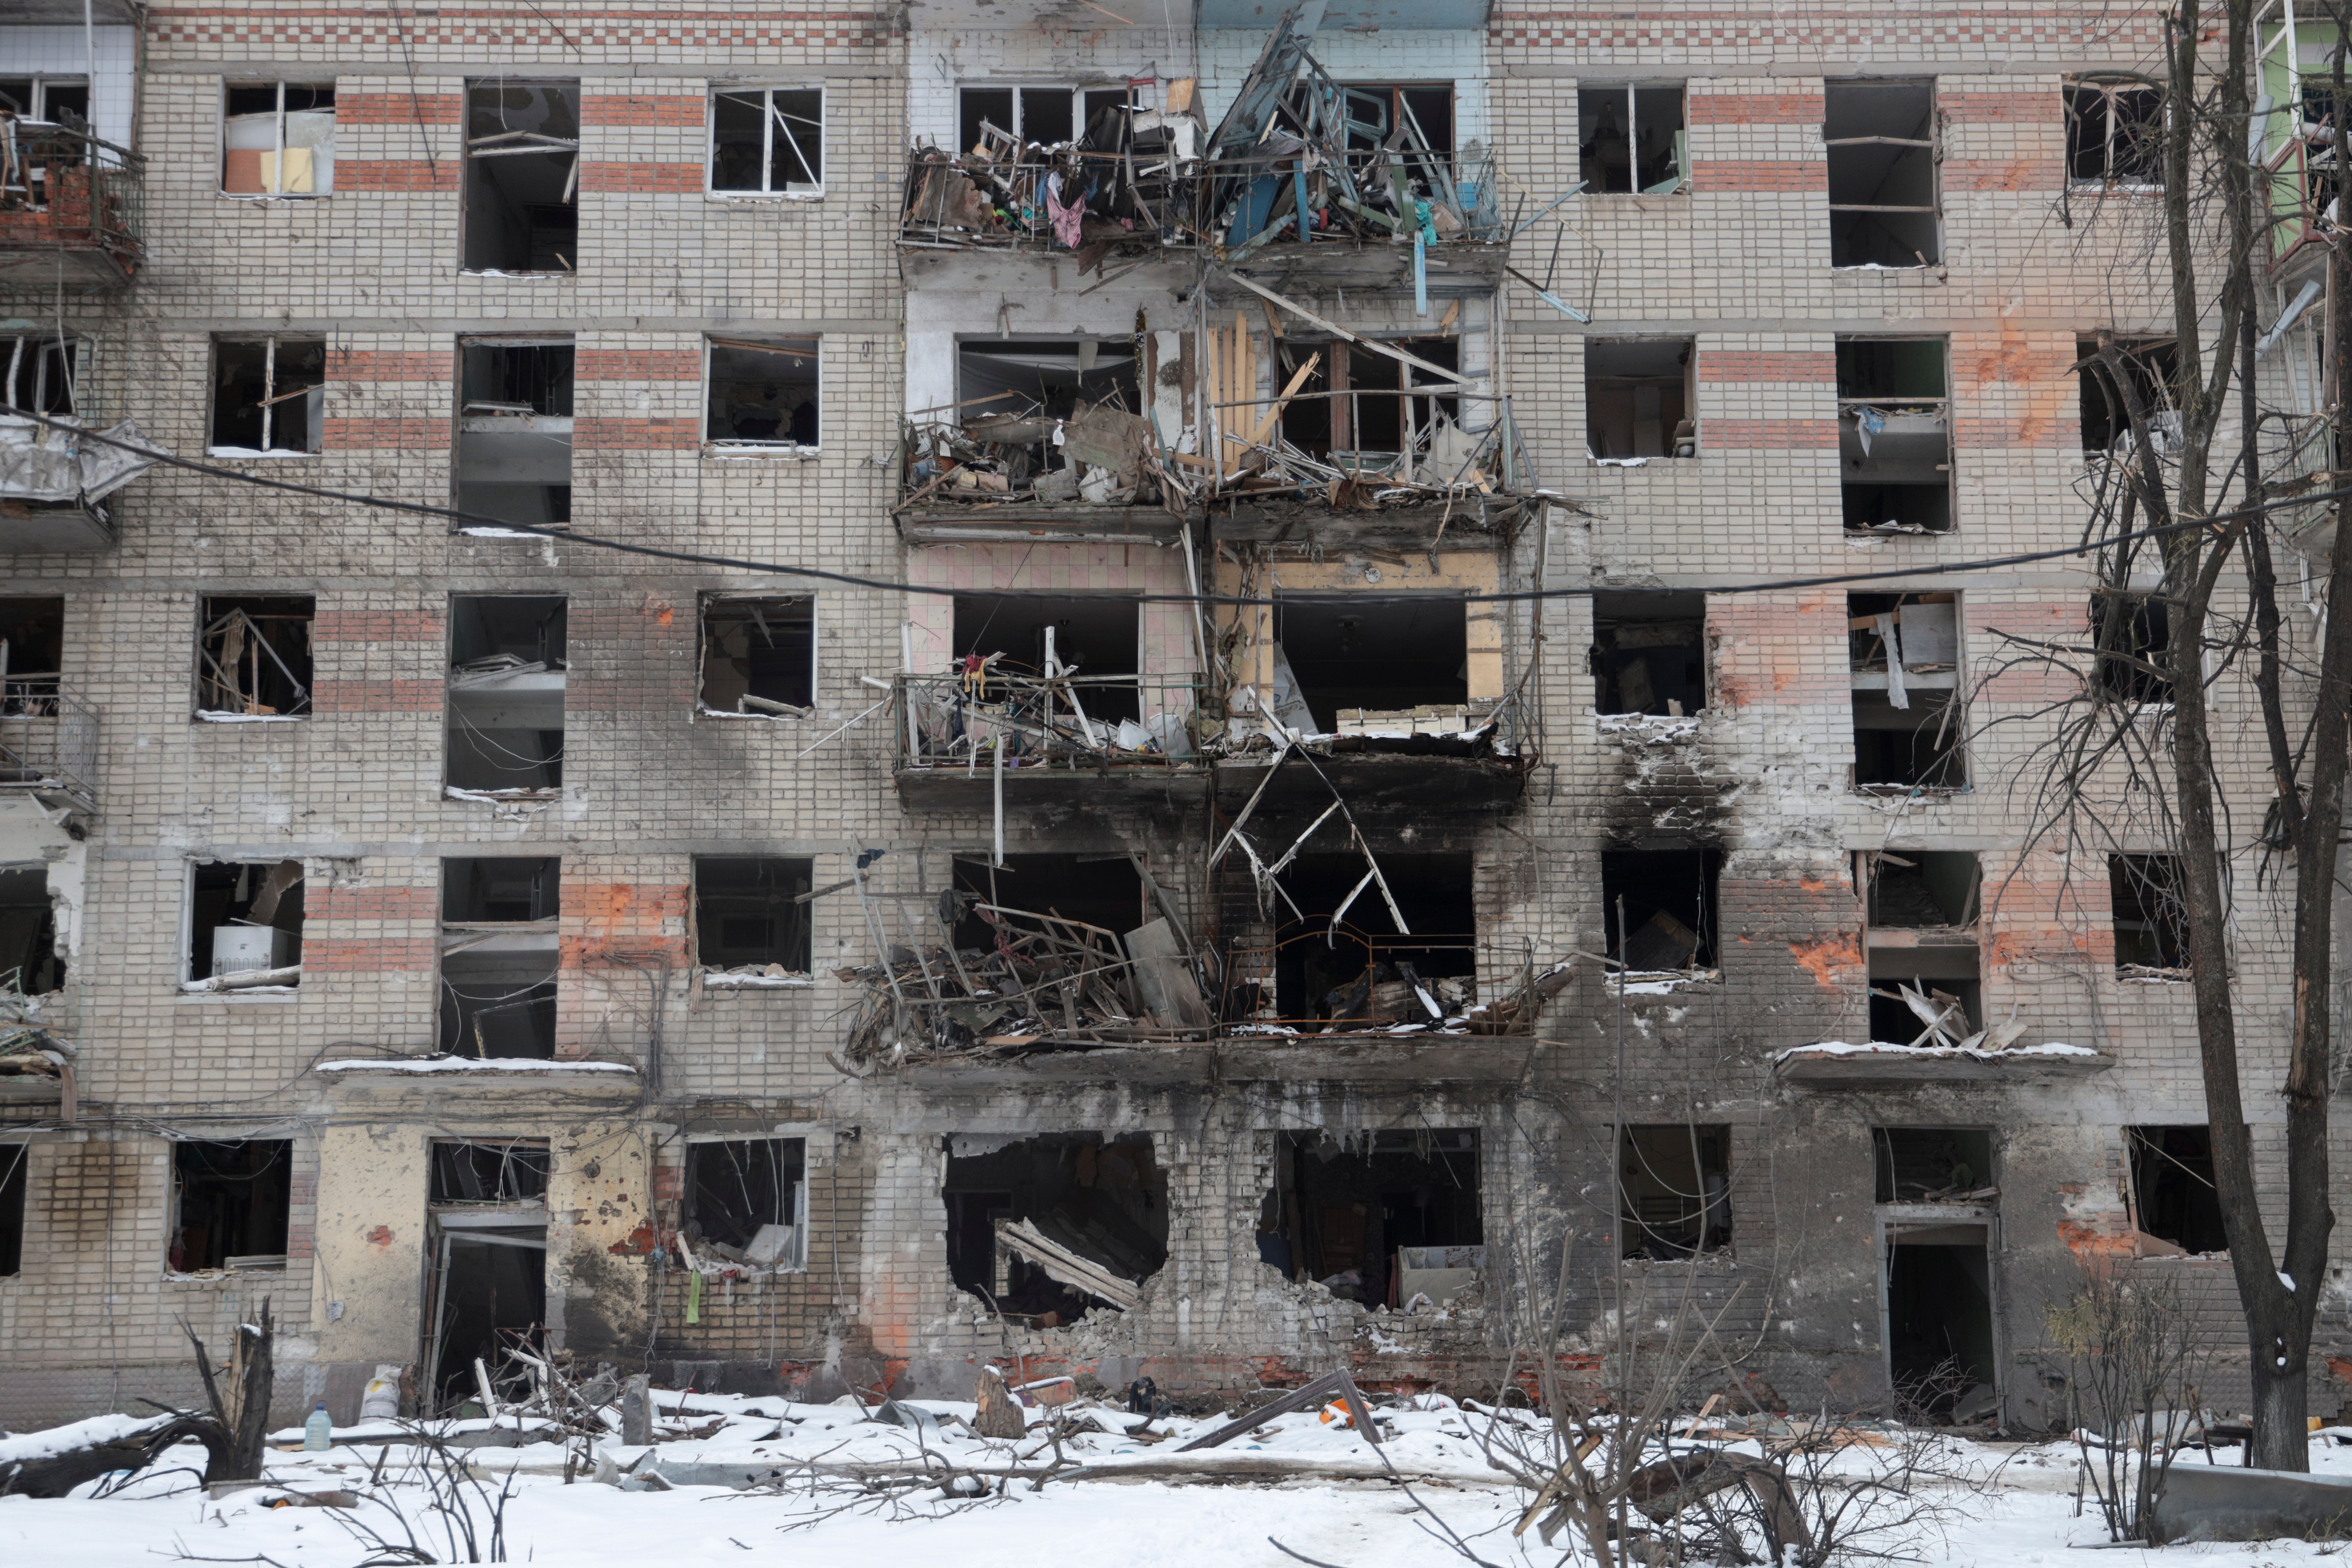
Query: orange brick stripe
{"x":343,"y":435}
{"x":429,"y":109}
{"x":1744,"y":109}
{"x":372,"y":365}
{"x":635,"y":435}
{"x":1769,"y":434}
{"x":2003,"y":174}
{"x":618,"y":30}
{"x":378,"y":696}
{"x":608,"y":178}
{"x":637,"y":365}
{"x":1806,"y":175}
{"x":642,"y":109}
{"x":355,"y":177}
{"x":377,"y":904}
{"x":1770,"y":365}
{"x":2003,"y":108}
{"x":326,"y":955}
{"x":2027,"y":430}
{"x":376,"y":626}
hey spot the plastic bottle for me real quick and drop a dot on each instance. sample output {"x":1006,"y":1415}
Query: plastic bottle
{"x":318,"y":1432}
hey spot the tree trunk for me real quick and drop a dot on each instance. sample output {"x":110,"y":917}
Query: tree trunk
{"x":242,"y":1409}
{"x":997,"y":1416}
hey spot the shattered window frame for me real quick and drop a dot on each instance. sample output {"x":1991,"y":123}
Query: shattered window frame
{"x":231,"y":644}
{"x":45,"y":353}
{"x":39,"y":86}
{"x":256,"y":885}
{"x":314,"y":395}
{"x":16,"y":1179}
{"x":788,"y":1154}
{"x":2154,"y":923}
{"x":2094,"y":168}
{"x":1856,"y":407}
{"x":272,"y":167}
{"x":733,"y":604}
{"x":276,"y":1163}
{"x":808,"y":347}
{"x":792,"y":912}
{"x":2117,"y":677}
{"x":767,"y":190}
{"x":1678,"y":154}
{"x":1598,"y":374}
{"x":1707,"y":1212}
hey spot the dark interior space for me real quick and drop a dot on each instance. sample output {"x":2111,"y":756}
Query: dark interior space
{"x":1380,"y":656}
{"x":1918,"y":747}
{"x":1638,"y":399}
{"x":46,"y":98}
{"x":2173,"y":1186}
{"x":1629,"y":139}
{"x":252,"y":656}
{"x":1894,"y":434}
{"x":1011,"y":392}
{"x":1037,"y":116}
{"x":1882,"y":172}
{"x":768,"y":140}
{"x":28,"y":933}
{"x":1103,"y":1198}
{"x":1668,"y":919}
{"x":499,"y":889}
{"x":14,"y":1159}
{"x":508,"y":629}
{"x":1376,"y":421}
{"x":40,"y":377}
{"x":32,"y":656}
{"x":499,"y":953}
{"x":752,"y":909}
{"x":522,"y":176}
{"x":245,"y":914}
{"x":1919,"y":631}
{"x":2151,"y":366}
{"x":1648,"y":653}
{"x":1365,"y":974}
{"x":1095,"y":636}
{"x":514,"y":429}
{"x":2151,"y":920}
{"x":1097,"y":890}
{"x":2115,"y":133}
{"x":759,"y":653}
{"x":489,"y":1293}
{"x":1341,"y":1207}
{"x":763,"y":392}
{"x":1939,"y":976}
{"x":1939,"y":1342}
{"x":513,"y":1171}
{"x":507,"y":669}
{"x":517,"y":376}
{"x":737,"y":1188}
{"x":2131,"y":637}
{"x":229,"y":1204}
{"x":1924,"y":888}
{"x":1920,"y":508}
{"x":1930,"y":1164}
{"x":1675,"y":1190}
{"x":268,"y":394}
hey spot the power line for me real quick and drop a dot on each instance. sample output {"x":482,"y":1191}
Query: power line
{"x":1334,"y":597}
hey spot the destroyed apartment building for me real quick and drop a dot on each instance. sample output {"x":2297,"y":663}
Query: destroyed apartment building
{"x":1095,"y":687}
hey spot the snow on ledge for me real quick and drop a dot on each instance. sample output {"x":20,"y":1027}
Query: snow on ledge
{"x":711,"y":977}
{"x":1886,"y":1048}
{"x":469,"y":1064}
{"x":27,"y":1447}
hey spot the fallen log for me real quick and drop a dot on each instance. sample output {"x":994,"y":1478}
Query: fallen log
{"x":52,"y":1463}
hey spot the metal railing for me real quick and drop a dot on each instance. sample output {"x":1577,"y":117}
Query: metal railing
{"x":62,"y":186}
{"x":1073,"y":723}
{"x":48,"y":739}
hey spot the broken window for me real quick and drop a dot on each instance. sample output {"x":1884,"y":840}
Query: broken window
{"x":763,"y":392}
{"x":1382,"y":1218}
{"x":1376,"y":112}
{"x":751,"y":913}
{"x":1639,"y":397}
{"x":506,"y":674}
{"x":2172,"y":1192}
{"x":1099,"y":890}
{"x":1928,"y":995}
{"x":41,"y":370}
{"x":1905,"y":650}
{"x":29,"y":959}
{"x":1932,"y":1164}
{"x":253,"y":660}
{"x":229,"y":1204}
{"x":1674,"y":1187}
{"x":1369,"y":419}
{"x":759,"y":654}
{"x":1340,"y":959}
{"x":1895,"y":434}
{"x":1092,"y":637}
{"x":1356,"y":666}
{"x":1648,"y":653}
{"x":1017,"y":398}
{"x":1044,"y":1227}
{"x":2151,"y":918}
{"x":1039,"y":116}
{"x":57,"y":99}
{"x":1668,"y":917}
{"x":2131,"y":639}
{"x":1631,"y":139}
{"x":522,"y":176}
{"x":1925,"y":963}
{"x":499,"y":953}
{"x":246,"y":923}
{"x":1922,"y":889}
{"x":2151,"y":366}
{"x":514,"y":429}
{"x":504,"y":1173}
{"x":746,"y":1199}
{"x":269,"y":396}
{"x":2115,"y":133}
{"x":1881,"y":137}
{"x":14,"y":1179}
{"x":278,"y":139}
{"x":32,"y":656}
{"x":768,"y":141}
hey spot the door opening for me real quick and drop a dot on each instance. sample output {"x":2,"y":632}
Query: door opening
{"x":1939,"y":1317}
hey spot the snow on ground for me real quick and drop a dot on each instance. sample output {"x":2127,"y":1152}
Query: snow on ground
{"x":2020,"y":1514}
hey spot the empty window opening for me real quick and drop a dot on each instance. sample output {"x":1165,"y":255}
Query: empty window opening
{"x":269,"y":396}
{"x":1100,"y":891}
{"x":1092,"y":638}
{"x":29,"y":959}
{"x":1380,"y":1217}
{"x":1353,"y":408}
{"x":751,"y":913}
{"x":1366,"y":973}
{"x":1932,"y":1164}
{"x":1923,"y":890}
{"x":253,"y":660}
{"x":522,"y":176}
{"x":2131,"y":640}
{"x":246,"y":923}
{"x":2173,"y":1186}
{"x":56,"y":100}
{"x":1668,"y":921}
{"x":1939,"y":1315}
{"x":508,"y":667}
{"x":1378,"y":110}
{"x":514,"y":430}
{"x":763,"y":392}
{"x":759,"y":654}
{"x":1673,"y":1189}
{"x":32,"y":656}
{"x":1639,"y":397}
{"x":14,"y":1179}
{"x":502,"y":1173}
{"x":1904,"y":650}
{"x":1648,"y":653}
{"x":1033,"y":116}
{"x":746,"y":1200}
{"x":1631,"y":139}
{"x":2151,"y":918}
{"x":1881,"y":137}
{"x":278,"y":139}
{"x":229,"y":1204}
{"x":768,"y":141}
{"x":1100,"y":1201}
{"x":499,"y":953}
{"x":2151,"y":366}
{"x":1350,"y":662}
{"x":1012,"y":395}
{"x":41,"y":370}
{"x":1895,"y":434}
{"x":1925,"y":995}
{"x":2115,"y":133}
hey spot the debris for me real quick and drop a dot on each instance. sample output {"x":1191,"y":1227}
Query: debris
{"x":1026,"y":1241}
{"x":998,"y":1415}
{"x":1299,"y":1398}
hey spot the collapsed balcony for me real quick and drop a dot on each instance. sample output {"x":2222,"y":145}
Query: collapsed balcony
{"x":71,"y":206}
{"x":49,"y":739}
{"x":53,"y":483}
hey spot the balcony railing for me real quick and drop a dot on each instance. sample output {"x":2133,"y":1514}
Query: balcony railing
{"x":1339,"y":979}
{"x":65,"y":192}
{"x":49,"y":742}
{"x":965,"y":724}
